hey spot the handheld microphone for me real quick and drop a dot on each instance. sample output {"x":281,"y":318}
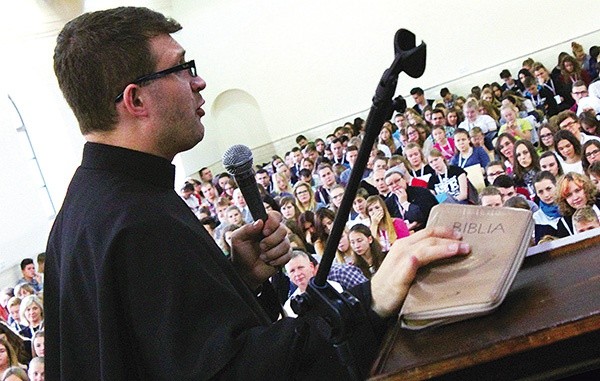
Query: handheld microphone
{"x":238,"y":163}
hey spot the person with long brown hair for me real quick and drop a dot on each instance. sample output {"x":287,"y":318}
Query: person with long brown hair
{"x":367,"y":251}
{"x":384,"y":227}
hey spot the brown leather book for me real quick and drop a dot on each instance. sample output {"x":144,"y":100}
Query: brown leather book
{"x":460,"y":288}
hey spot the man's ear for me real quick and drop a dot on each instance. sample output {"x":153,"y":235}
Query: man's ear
{"x":133,"y":100}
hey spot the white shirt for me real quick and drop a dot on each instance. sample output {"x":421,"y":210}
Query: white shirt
{"x":287,"y":306}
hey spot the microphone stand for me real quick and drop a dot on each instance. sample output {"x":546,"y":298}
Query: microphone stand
{"x":337,"y":313}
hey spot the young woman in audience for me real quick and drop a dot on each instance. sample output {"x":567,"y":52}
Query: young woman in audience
{"x":324,"y":218}
{"x":589,"y":124}
{"x":546,"y":133}
{"x":8,"y":357}
{"x":466,"y":155}
{"x":569,"y":148}
{"x":38,"y":348}
{"x":366,"y":250}
{"x":229,"y":187}
{"x":234,"y":216}
{"x":305,"y":197}
{"x":383,"y":226}
{"x":450,"y":183}
{"x":288,"y":208}
{"x":418,"y":166}
{"x":591,"y":153}
{"x":505,"y":145}
{"x":32,"y":312}
{"x":225,"y":241}
{"x":412,"y":132}
{"x":20,"y":346}
{"x":385,"y":139}
{"x":547,"y":218}
{"x":343,"y":254}
{"x":453,"y":118}
{"x":336,"y":194}
{"x":571,"y":71}
{"x":575,"y":191}
{"x":594,"y":174}
{"x":527,"y":165}
{"x":359,"y":207}
{"x":282,"y":186}
{"x":549,"y":162}
{"x":306,"y":222}
{"x":489,"y":109}
{"x":443,"y":143}
{"x":517,"y":127}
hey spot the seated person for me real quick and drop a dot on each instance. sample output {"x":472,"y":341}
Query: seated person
{"x":547,"y":218}
{"x":29,"y":275}
{"x":490,"y":196}
{"x":300,"y":270}
{"x":412,"y":204}
{"x":506,"y":186}
{"x":585,"y":219}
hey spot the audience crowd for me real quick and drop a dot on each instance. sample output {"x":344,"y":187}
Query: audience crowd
{"x":530,"y":141}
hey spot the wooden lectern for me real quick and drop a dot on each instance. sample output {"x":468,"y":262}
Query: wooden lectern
{"x":548,"y":326}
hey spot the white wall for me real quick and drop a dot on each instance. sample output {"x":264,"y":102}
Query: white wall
{"x":279,"y":67}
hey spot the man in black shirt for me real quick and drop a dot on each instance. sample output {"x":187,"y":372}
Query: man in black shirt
{"x":136,"y":288}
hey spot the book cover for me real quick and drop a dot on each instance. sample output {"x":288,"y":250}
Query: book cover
{"x":463,"y":287}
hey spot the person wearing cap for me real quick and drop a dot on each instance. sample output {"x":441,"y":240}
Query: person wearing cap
{"x":413,"y":204}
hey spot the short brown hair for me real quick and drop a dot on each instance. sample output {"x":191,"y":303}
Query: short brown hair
{"x":98,"y":53}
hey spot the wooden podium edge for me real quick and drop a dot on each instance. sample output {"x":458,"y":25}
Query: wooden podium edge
{"x":513,"y":346}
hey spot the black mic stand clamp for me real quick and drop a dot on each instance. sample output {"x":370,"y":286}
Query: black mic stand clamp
{"x":337,"y":315}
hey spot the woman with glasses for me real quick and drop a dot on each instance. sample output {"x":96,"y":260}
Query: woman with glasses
{"x":527,"y":165}
{"x":305,"y":197}
{"x":569,"y":148}
{"x":591,"y":153}
{"x":505,"y":145}
{"x":546,"y":133}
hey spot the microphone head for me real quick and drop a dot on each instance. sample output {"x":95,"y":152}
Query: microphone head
{"x":237,"y":159}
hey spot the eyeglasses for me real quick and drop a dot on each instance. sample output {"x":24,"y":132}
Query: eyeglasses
{"x":190,"y":66}
{"x":592,"y":153}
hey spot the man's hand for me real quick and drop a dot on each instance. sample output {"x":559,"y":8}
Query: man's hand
{"x":390,"y":284}
{"x":258,"y":249}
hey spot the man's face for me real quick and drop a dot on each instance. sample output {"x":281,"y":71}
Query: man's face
{"x":327,"y":177}
{"x":29,"y":271}
{"x":477,"y":140}
{"x":494,"y":171}
{"x":297,"y":157}
{"x":14,"y":312}
{"x":206,"y":175}
{"x":351,"y":156}
{"x":541,"y":75}
{"x":209,"y":191}
{"x":337,"y":149}
{"x":507,"y":193}
{"x":302,"y":143}
{"x":494,"y":200}
{"x":437,"y":119}
{"x":300,"y":270}
{"x":509,"y":81}
{"x":583,"y":226}
{"x":263,"y":179}
{"x":174,"y":100}
{"x":571,"y":125}
{"x":579,"y":92}
{"x":379,"y":179}
{"x":533,"y":90}
{"x":418,"y":98}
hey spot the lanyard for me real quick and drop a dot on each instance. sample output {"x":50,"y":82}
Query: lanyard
{"x":461,"y":162}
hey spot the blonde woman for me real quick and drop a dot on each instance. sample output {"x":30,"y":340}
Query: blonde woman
{"x":385,"y":228}
{"x":305,"y":197}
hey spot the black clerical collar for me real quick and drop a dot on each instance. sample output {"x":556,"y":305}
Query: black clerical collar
{"x":143,"y":166}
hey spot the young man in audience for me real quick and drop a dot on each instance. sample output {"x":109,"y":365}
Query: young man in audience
{"x":210,"y":196}
{"x":567,"y":120}
{"x":328,"y":180}
{"x":556,"y":89}
{"x":351,"y":156}
{"x":490,"y":196}
{"x":30,"y":277}
{"x":418,"y":95}
{"x":506,"y":186}
{"x":578,"y":91}
{"x":509,"y":82}
{"x":542,"y":98}
{"x":337,"y":150}
{"x":302,"y":141}
{"x":585,"y":219}
{"x":262,"y":177}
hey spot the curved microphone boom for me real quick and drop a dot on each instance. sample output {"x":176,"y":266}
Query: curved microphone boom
{"x":238,"y":163}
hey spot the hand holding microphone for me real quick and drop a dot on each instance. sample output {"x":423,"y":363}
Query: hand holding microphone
{"x":257,"y":249}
